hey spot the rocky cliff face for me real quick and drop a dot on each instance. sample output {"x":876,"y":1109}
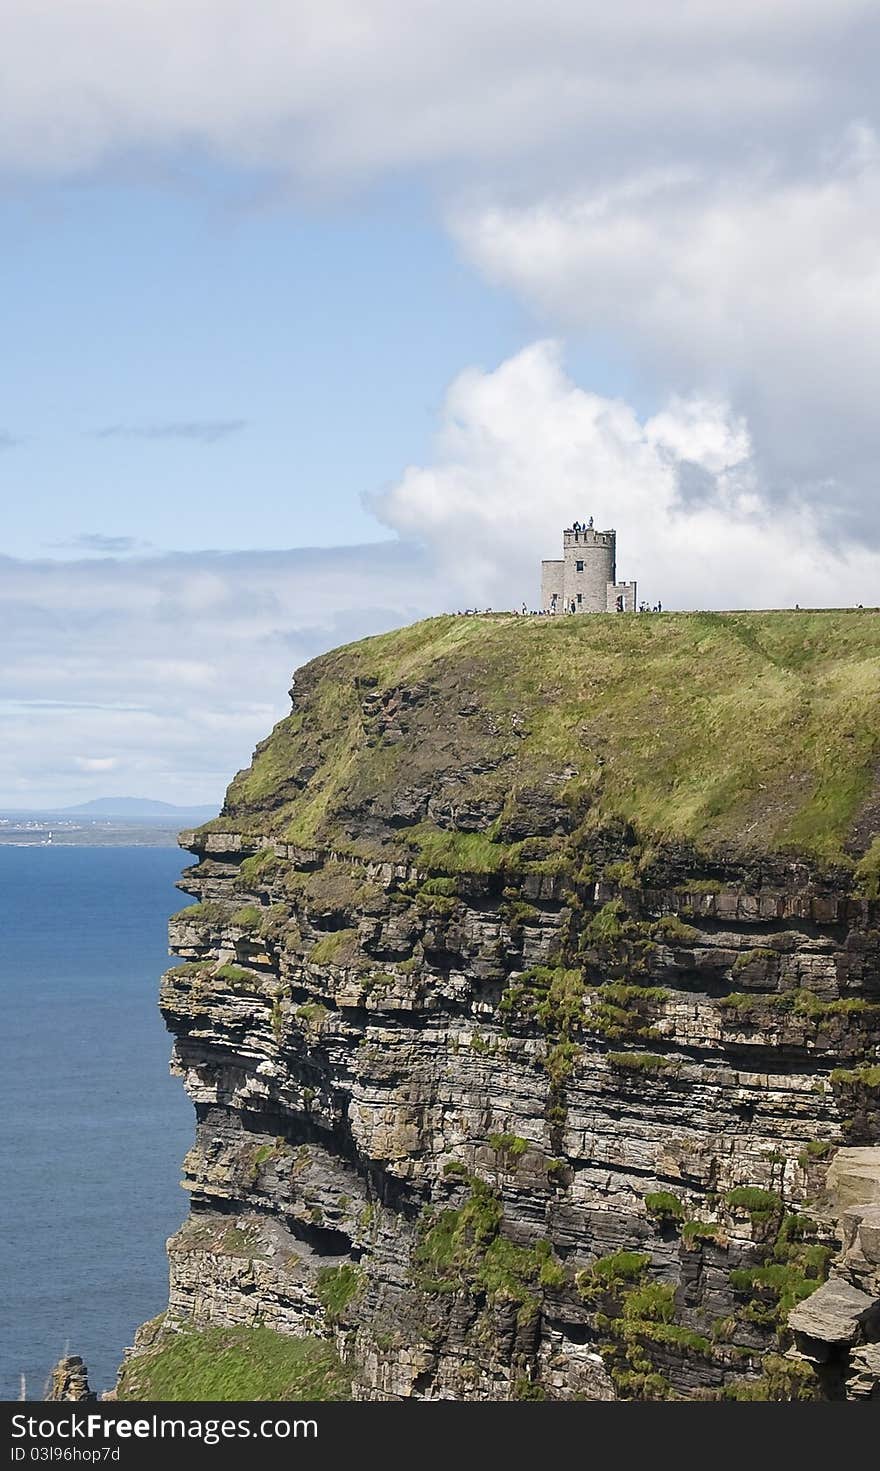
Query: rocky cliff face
{"x":69,"y":1380}
{"x":522,"y":1018}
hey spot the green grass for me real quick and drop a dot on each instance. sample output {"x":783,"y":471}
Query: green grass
{"x":264,"y":1153}
{"x":759,"y":956}
{"x":606,"y":923}
{"x":207,"y":914}
{"x":779,"y":1281}
{"x":189,"y":970}
{"x":250,"y":917}
{"x":664,"y":1206}
{"x":337,"y":1287}
{"x":337,"y":948}
{"x":334,"y":887}
{"x":653,"y":1302}
{"x":867,"y":1077}
{"x":785,"y":1284}
{"x":622,"y":1012}
{"x":454,"y":853}
{"x":800,"y":1003}
{"x":613,"y":1274}
{"x":313,"y":1015}
{"x":236,"y":976}
{"x":868,"y":872}
{"x":650,"y":1063}
{"x":758,"y":1203}
{"x":259,"y":867}
{"x":510,"y":1145}
{"x":816,"y":1150}
{"x":694,"y":1231}
{"x":637,"y":1315}
{"x":465,"y":1250}
{"x":782,"y":1380}
{"x":443,"y":888}
{"x":674,"y":1334}
{"x":235,"y":1364}
{"x":552,"y":996}
{"x":699,"y":726}
{"x":673,"y":931}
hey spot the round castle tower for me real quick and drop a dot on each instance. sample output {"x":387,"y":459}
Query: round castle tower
{"x":584,"y":578}
{"x":590,"y":559}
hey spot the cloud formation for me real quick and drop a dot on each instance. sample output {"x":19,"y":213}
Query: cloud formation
{"x":698,"y":183}
{"x":348,"y":88}
{"x":172,"y":667}
{"x":102,"y":544}
{"x":757,"y":287}
{"x":201,"y":431}
{"x":523,"y":451}
{"x":95,"y":763}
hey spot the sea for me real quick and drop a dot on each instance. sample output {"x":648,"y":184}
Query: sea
{"x":92,"y":1127}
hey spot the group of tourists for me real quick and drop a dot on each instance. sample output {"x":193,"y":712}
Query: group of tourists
{"x":570,"y":607}
{"x":526,"y":612}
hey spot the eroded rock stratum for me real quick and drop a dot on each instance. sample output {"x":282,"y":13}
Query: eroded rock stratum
{"x":531,"y":1014}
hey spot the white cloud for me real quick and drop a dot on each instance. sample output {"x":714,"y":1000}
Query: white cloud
{"x":171,"y":668}
{"x":702,"y":431}
{"x":761,"y":288}
{"x":354,"y":86}
{"x":698,"y":183}
{"x":522,"y":451}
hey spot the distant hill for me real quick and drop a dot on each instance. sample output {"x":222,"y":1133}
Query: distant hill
{"x":137,"y":807}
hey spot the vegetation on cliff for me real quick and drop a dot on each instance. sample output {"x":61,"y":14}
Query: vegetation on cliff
{"x":233,"y":1363}
{"x":747,"y":729}
{"x":542,"y":1107}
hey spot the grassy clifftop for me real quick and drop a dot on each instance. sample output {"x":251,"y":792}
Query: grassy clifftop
{"x":231,"y":1363}
{"x":467,"y":735}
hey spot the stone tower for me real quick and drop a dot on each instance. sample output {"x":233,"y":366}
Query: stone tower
{"x":584,"y":580}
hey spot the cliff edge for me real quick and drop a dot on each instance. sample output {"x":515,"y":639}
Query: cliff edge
{"x":530,"y":1009}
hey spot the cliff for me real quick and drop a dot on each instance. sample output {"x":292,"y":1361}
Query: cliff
{"x":532,"y":988}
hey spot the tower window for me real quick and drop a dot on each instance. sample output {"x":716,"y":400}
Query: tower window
{"x":580,"y":597}
{"x":578,"y":566}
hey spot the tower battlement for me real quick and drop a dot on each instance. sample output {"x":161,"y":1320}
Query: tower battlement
{"x":584,"y":579}
{"x":588,"y":537}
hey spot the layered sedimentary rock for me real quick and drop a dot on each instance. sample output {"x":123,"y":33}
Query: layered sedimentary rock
{"x":69,"y":1380}
{"x":508,"y":1082}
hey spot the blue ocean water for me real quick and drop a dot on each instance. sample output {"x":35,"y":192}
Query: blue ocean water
{"x":92,"y":1128}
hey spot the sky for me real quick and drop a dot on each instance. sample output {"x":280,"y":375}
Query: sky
{"x":321,"y":317}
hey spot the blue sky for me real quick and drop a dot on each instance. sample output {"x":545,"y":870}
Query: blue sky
{"x":191,"y":366}
{"x":194,"y":359}
{"x":420,"y":281}
{"x":180,"y":340}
